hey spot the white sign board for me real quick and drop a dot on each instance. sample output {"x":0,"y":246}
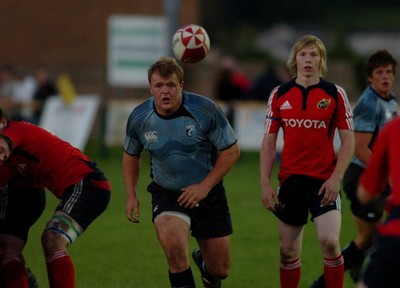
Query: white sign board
{"x":73,"y":122}
{"x":118,"y":112}
{"x":249,"y":126}
{"x":134,"y":43}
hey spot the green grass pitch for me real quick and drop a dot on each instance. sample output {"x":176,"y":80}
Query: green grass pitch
{"x":114,"y":253}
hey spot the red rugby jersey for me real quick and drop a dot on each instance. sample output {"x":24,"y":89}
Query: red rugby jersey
{"x":6,"y":172}
{"x":308,"y":117}
{"x":384,"y":164}
{"x":44,"y":158}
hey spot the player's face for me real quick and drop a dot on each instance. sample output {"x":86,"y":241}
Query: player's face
{"x":167,"y":93}
{"x":4,"y":150}
{"x":307,"y":61}
{"x":382,"y":80}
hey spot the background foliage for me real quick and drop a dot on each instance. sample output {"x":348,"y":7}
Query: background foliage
{"x":224,"y":18}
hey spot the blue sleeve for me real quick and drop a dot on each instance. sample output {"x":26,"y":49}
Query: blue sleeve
{"x":221,"y":134}
{"x":365,"y":115}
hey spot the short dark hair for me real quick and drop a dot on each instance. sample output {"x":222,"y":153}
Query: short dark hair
{"x":166,"y":66}
{"x":380,"y":58}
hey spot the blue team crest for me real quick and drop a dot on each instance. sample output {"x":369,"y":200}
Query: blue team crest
{"x":189,"y":130}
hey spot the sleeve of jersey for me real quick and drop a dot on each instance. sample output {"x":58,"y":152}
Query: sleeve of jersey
{"x":344,"y":114}
{"x":365,"y":115}
{"x":15,"y":131}
{"x":221,"y":133}
{"x":272,"y":119}
{"x":132,"y":144}
{"x":374,"y":177}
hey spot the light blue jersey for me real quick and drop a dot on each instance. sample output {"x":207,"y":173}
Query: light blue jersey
{"x":183,"y":146}
{"x":371,"y":113}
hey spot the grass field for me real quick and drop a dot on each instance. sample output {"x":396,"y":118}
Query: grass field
{"x":114,"y":253}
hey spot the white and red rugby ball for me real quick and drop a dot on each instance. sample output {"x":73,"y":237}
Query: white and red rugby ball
{"x":191,"y":43}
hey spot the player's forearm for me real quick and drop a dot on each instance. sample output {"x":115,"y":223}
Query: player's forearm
{"x":131,"y":172}
{"x":363,"y":154}
{"x":362,"y":146}
{"x":345,"y":154}
{"x":224,"y":163}
{"x":267,"y":160}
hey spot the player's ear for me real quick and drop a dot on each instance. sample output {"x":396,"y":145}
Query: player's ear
{"x":3,"y":123}
{"x":8,"y":142}
{"x":3,"y":119}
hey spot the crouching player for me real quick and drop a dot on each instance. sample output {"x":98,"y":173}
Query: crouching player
{"x":21,"y":204}
{"x":82,"y":188}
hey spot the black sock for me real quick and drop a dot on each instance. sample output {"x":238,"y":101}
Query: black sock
{"x":353,"y":257}
{"x":320,"y":282}
{"x":182,"y":279}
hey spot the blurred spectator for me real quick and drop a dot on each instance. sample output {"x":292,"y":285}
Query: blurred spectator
{"x":7,"y":84}
{"x":22,"y":98}
{"x":46,"y":88}
{"x":264,"y":84}
{"x":16,"y":93}
{"x":232,"y":85}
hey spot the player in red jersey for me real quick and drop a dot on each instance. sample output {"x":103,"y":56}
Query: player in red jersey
{"x":308,"y":109}
{"x":71,"y":176}
{"x":375,"y":107}
{"x":383,"y":168}
{"x":16,"y":219}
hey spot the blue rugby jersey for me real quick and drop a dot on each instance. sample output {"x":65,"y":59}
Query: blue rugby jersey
{"x":371,"y":113}
{"x":183,"y":146}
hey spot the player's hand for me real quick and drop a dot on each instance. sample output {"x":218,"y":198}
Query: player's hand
{"x":192,"y":195}
{"x":330,"y":189}
{"x":132,"y":209}
{"x":269,"y":198}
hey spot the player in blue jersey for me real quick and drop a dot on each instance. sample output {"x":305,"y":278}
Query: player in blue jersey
{"x":192,"y":147}
{"x":376,"y":106}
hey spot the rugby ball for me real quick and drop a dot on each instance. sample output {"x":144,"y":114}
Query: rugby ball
{"x":190,"y":43}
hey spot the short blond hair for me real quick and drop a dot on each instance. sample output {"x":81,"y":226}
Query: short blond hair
{"x":302,"y":42}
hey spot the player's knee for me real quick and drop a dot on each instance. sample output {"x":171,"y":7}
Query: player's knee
{"x":288,"y":253}
{"x":52,"y":242}
{"x":330,"y":247}
{"x":11,"y":245}
{"x":223,"y":274}
{"x":62,"y":226}
{"x":365,"y":241}
{"x":57,"y":236}
{"x":177,"y":258}
{"x":220,"y":271}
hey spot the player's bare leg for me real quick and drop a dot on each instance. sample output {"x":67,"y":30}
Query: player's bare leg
{"x":173,"y":234}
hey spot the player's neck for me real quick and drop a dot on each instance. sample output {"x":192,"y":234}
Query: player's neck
{"x":307,"y":81}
